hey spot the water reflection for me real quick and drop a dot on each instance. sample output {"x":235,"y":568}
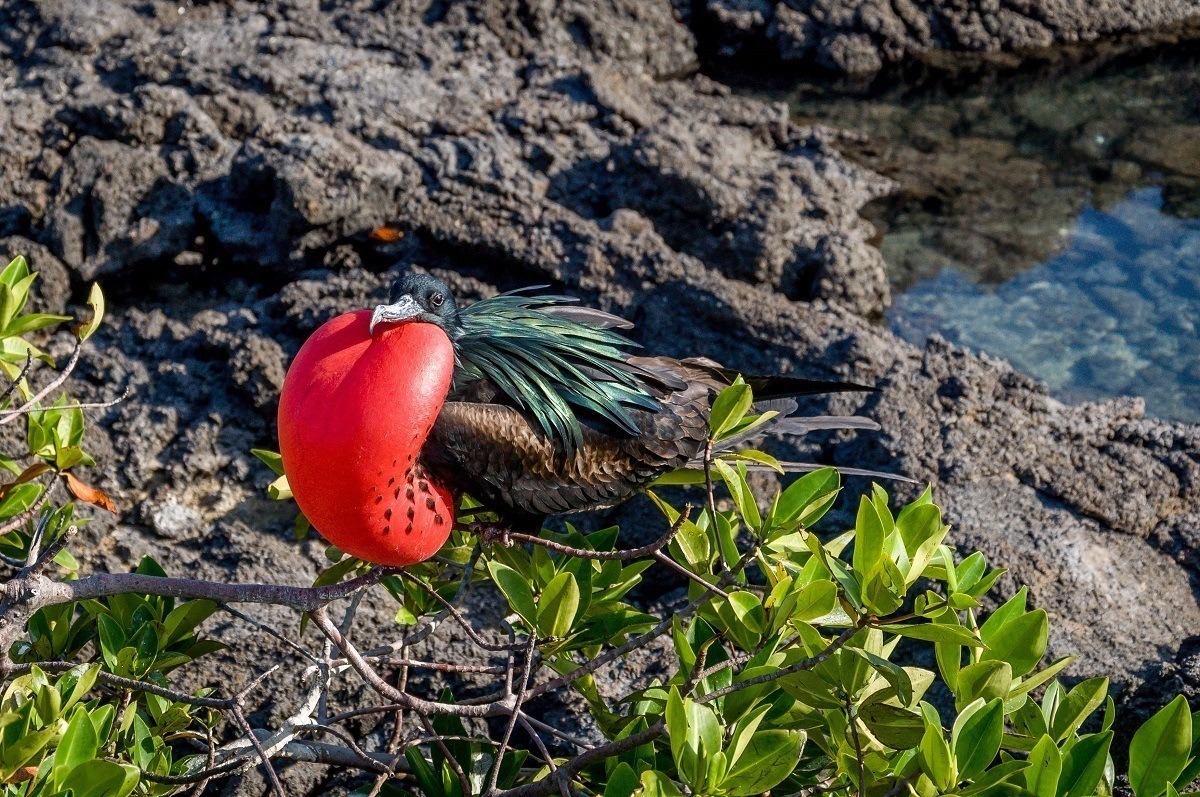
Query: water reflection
{"x":1117,"y":313}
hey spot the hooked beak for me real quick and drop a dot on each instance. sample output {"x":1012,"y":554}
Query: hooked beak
{"x":403,"y":310}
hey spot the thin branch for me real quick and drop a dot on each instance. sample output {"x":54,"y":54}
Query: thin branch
{"x":12,"y":386}
{"x":272,"y":776}
{"x":837,"y":644}
{"x":7,"y":416}
{"x":269,"y":631}
{"x":462,"y":621}
{"x":604,"y":556}
{"x":526,"y":671}
{"x":388,"y":691}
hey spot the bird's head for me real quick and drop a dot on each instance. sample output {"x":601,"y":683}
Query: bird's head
{"x":421,"y":298}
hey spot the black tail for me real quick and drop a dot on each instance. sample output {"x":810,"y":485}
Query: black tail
{"x":771,"y":387}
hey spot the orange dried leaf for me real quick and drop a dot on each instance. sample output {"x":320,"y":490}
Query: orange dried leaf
{"x":92,"y":495}
{"x":23,"y":774}
{"x":387,"y":235}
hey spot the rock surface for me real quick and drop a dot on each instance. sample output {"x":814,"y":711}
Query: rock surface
{"x":861,"y":37}
{"x":220,"y":167}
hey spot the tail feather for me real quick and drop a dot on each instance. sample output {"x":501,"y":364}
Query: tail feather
{"x":796,"y":426}
{"x":806,"y":467}
{"x":770,"y":387}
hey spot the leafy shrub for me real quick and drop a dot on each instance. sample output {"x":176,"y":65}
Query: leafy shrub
{"x":791,"y":672}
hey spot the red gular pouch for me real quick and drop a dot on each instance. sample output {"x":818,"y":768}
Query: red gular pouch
{"x":354,"y":413}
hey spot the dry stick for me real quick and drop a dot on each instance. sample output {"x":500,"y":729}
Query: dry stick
{"x":12,"y":386}
{"x":35,"y":541}
{"x":209,"y":762}
{"x":270,"y":631}
{"x":272,"y":775}
{"x":462,"y":621}
{"x":421,"y":632}
{"x":382,"y":687}
{"x":23,"y":518}
{"x":439,"y":666}
{"x":526,"y":671}
{"x":393,"y":745}
{"x":451,"y":760}
{"x":838,"y":642}
{"x":303,"y":599}
{"x":7,"y":416}
{"x":348,"y":739}
{"x":219,"y":704}
{"x":25,"y":594}
{"x":543,"y":751}
{"x":550,"y":729}
{"x":671,"y":563}
{"x":604,"y":556}
{"x":564,"y":774}
{"x":52,"y":550}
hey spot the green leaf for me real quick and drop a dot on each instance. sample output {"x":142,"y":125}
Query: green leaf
{"x":622,"y":782}
{"x":898,"y":728}
{"x":814,"y":600}
{"x":271,"y":459}
{"x":515,"y":588}
{"x":807,"y":499}
{"x":985,"y":679}
{"x":930,"y":632}
{"x":869,"y":532}
{"x":768,"y":759}
{"x":1010,"y":609}
{"x":1021,"y":642}
{"x":729,"y":408}
{"x":977,"y":739}
{"x":22,"y":325}
{"x":184,"y":618}
{"x":335,"y":574}
{"x":1077,"y":706}
{"x":100,"y":778}
{"x":934,"y":754}
{"x":658,"y":784}
{"x":16,"y":270}
{"x":558,"y":605}
{"x":95,"y":300}
{"x":279,"y":490}
{"x":1083,"y":765}
{"x":739,"y":490}
{"x":1037,"y":679}
{"x":1045,"y":768}
{"x":1160,"y":749}
{"x":79,"y":741}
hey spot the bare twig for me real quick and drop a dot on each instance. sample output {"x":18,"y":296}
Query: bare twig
{"x":526,"y":671}
{"x":8,"y":416}
{"x":584,"y":553}
{"x":272,"y":776}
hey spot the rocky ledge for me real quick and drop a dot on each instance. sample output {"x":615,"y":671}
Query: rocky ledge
{"x":861,"y":37}
{"x":220,"y":167}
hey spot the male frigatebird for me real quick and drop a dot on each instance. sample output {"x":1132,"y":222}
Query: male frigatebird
{"x":551,"y":411}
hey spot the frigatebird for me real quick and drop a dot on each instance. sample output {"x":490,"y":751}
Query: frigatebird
{"x":551,"y":410}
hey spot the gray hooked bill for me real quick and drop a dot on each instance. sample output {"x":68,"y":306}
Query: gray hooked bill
{"x":403,"y":310}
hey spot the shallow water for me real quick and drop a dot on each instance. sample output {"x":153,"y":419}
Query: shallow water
{"x":1047,"y":217}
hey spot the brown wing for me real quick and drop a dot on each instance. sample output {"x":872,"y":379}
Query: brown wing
{"x":498,"y":455}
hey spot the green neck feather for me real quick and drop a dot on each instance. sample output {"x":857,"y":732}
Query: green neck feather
{"x":549,"y":366}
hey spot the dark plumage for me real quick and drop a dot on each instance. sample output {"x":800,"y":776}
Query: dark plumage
{"x":551,"y":412}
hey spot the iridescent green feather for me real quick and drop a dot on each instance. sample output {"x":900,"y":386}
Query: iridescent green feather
{"x":548,"y":365}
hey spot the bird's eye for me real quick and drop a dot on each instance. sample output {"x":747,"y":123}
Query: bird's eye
{"x":437,"y":299}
